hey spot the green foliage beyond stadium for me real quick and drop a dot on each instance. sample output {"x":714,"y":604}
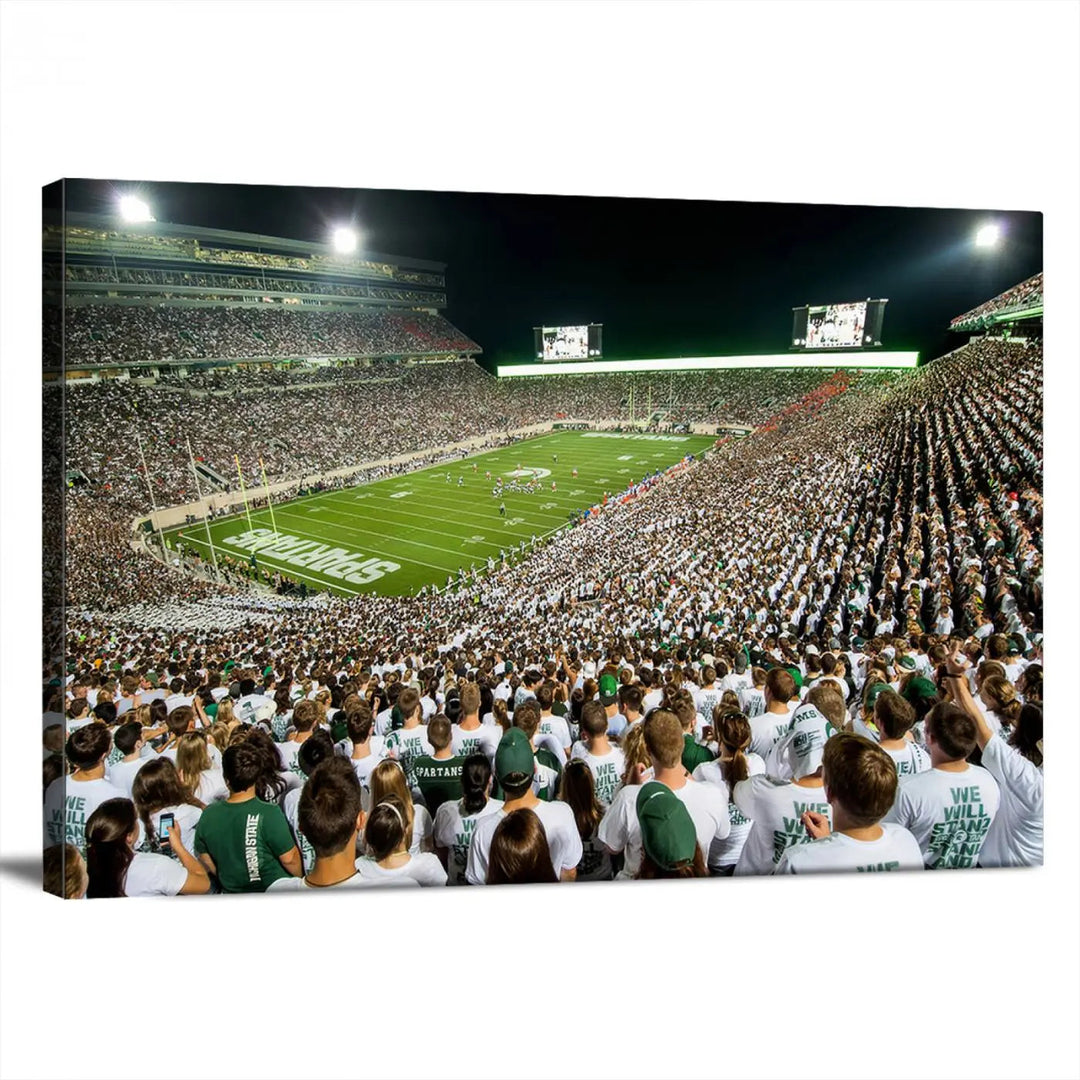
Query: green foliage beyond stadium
{"x":409,"y":531}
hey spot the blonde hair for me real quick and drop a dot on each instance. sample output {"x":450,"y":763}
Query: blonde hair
{"x":1003,"y":697}
{"x":141,"y":715}
{"x":192,"y":760}
{"x":388,"y":778}
{"x":633,"y":747}
{"x":225,"y":714}
{"x":221,"y":733}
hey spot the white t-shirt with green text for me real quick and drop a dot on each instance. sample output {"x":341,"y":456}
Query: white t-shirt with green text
{"x":949,"y":814}
{"x":406,"y":745}
{"x":607,"y":770}
{"x":766,"y":730}
{"x":726,"y":852}
{"x":68,"y":806}
{"x":483,"y":740}
{"x":775,"y":807}
{"x":559,"y":827}
{"x":895,"y":849}
{"x":911,"y":760}
{"x":620,"y":830}
{"x":453,"y":831}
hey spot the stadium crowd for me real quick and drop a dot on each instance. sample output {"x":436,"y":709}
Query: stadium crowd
{"x":832,"y":629}
{"x":254,"y":282}
{"x":118,"y":334}
{"x":1026,"y":294}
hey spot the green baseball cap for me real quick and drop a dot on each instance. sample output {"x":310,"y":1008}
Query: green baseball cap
{"x":875,"y":692}
{"x":667,"y":832}
{"x":907,"y":663}
{"x":609,"y":689}
{"x":919,"y":689}
{"x":514,"y":755}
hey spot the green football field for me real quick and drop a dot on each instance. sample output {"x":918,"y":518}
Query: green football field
{"x":397,"y":535}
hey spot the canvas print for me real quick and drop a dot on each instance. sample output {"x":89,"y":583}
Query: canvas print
{"x":441,"y":539}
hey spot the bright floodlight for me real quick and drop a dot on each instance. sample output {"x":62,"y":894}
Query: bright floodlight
{"x":345,"y":240}
{"x":987,"y":236}
{"x":133,"y":209}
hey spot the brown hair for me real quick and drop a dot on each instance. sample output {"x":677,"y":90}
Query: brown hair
{"x":682,"y":705}
{"x":470,"y":699}
{"x":388,"y":827}
{"x":180,"y":719}
{"x":519,"y":853}
{"x":1002,"y":694}
{"x":157,"y":785}
{"x":438,"y":731}
{"x":664,"y":737}
{"x":649,"y":871}
{"x":893,"y":716}
{"x":632,"y":745}
{"x":860,"y":776}
{"x":388,"y":782}
{"x":408,"y":702}
{"x":594,"y":720}
{"x":359,"y":721}
{"x":63,"y":872}
{"x":827,"y":699}
{"x":733,"y":734}
{"x":780,"y":684}
{"x":578,"y":790}
{"x":306,"y":714}
{"x":527,"y":716}
{"x":192,"y":760}
{"x":952,"y":729}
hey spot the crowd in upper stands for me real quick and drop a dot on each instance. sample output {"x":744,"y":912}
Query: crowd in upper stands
{"x":113,"y":334}
{"x":1027,"y":294}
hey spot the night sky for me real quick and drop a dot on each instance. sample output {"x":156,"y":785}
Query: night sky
{"x":665,"y":277}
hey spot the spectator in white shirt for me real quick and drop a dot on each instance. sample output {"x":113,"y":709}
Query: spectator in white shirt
{"x":115,"y":869}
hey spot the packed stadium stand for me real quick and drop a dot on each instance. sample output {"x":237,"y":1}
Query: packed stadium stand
{"x":1021,"y":301}
{"x":869,"y":517}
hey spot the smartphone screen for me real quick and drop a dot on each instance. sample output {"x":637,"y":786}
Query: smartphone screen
{"x":166,"y":823}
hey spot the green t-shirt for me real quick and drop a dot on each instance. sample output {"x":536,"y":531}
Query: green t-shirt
{"x":439,"y":779}
{"x":245,"y":840}
{"x":694,"y":754}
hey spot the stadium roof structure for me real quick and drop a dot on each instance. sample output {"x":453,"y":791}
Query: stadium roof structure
{"x":225,"y":237}
{"x":1016,"y":304}
{"x":857,"y":359}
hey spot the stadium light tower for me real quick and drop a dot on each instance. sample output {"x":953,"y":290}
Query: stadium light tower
{"x":345,"y":240}
{"x":133,"y":209}
{"x":988,"y":235}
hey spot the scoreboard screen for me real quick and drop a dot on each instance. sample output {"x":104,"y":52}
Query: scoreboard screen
{"x":855,"y":325}
{"x":554,"y":343}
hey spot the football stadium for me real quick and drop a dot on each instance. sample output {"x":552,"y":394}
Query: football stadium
{"x":347,"y":597}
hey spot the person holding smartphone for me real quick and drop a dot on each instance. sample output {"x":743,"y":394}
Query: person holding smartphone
{"x":115,"y":868}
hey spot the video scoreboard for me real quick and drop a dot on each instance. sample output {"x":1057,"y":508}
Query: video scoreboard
{"x":556,"y":343}
{"x":854,"y":325}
